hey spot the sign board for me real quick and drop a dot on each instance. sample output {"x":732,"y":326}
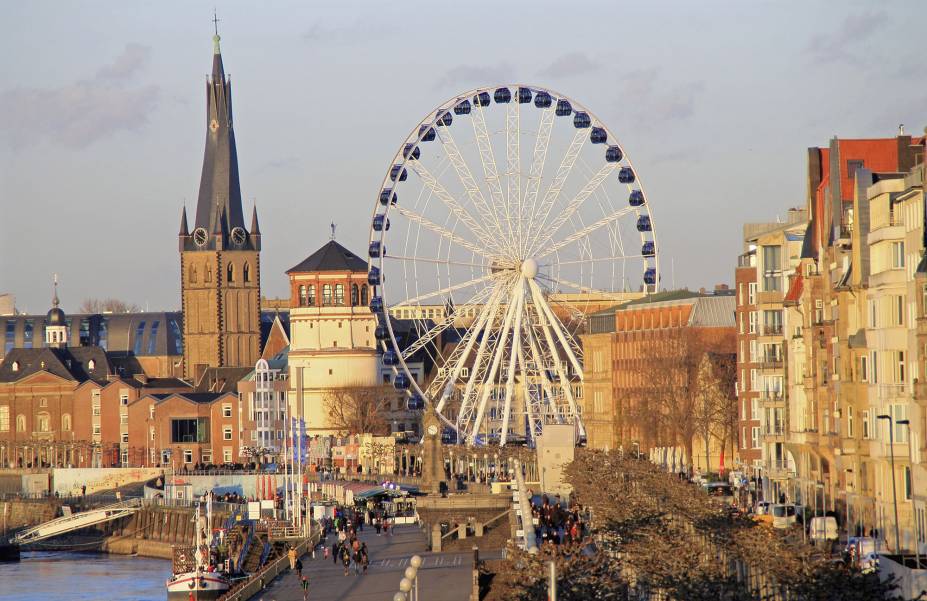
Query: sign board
{"x":254,"y":510}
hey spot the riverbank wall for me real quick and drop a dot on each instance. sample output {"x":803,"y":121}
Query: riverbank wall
{"x":152,"y":531}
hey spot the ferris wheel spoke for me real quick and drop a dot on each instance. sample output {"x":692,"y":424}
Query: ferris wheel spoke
{"x":566,"y":282}
{"x":474,"y":193}
{"x":448,"y":289}
{"x":438,"y":261}
{"x":600,"y":259}
{"x":442,"y":231}
{"x":578,"y":235}
{"x":518,"y":293}
{"x":452,"y":204}
{"x":591,"y":186}
{"x":490,"y":380}
{"x":491,"y":175}
{"x":513,"y":167}
{"x":445,"y":323}
{"x":553,"y":191}
{"x":541,"y":145}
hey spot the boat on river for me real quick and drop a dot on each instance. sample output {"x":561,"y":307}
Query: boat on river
{"x":200,"y":572}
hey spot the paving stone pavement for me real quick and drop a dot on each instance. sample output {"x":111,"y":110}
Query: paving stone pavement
{"x":442,"y":577}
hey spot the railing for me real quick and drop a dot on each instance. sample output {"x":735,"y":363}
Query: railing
{"x":252,"y":586}
{"x":772,"y":329}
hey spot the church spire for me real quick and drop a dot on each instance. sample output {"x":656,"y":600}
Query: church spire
{"x":255,"y":230}
{"x":218,"y":206}
{"x":184,"y":230}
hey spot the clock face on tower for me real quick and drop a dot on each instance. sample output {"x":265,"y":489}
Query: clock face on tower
{"x":432,"y":429}
{"x":238,"y":236}
{"x":200,"y":237}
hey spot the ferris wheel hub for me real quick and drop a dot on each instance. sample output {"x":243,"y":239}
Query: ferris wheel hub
{"x":529,"y":268}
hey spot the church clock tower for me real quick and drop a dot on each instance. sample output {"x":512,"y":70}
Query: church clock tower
{"x":220,"y":258}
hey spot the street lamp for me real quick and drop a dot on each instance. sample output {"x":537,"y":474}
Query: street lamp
{"x":891,"y":448}
{"x":917,"y":551}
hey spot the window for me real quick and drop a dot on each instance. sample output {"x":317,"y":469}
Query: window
{"x":28,"y":327}
{"x":864,"y":368}
{"x":206,"y":454}
{"x":96,"y":409}
{"x":227,"y":410}
{"x":188,"y":455}
{"x":355,"y":295}
{"x":850,"y":432}
{"x":897,"y":255}
{"x":751,"y":293}
{"x":125,"y":437}
{"x":303,"y":296}
{"x":139,"y":332}
{"x":752,"y":329}
{"x":899,"y":367}
{"x":874,"y":367}
{"x":246,"y":273}
{"x":10,"y":340}
{"x":190,"y":430}
{"x":192,"y":274}
{"x":226,"y":454}
{"x":867,"y":431}
{"x":227,"y":433}
{"x":339,"y":294}
{"x":363,"y":295}
{"x":124,"y":418}
{"x":123,"y":397}
{"x":326,"y":294}
{"x":755,"y":437}
{"x":898,"y":310}
{"x":771,"y":268}
{"x":907,"y":483}
{"x":96,"y":429}
{"x":4,"y":418}
{"x":44,"y":423}
{"x":899,"y":412}
{"x":207,"y":274}
{"x":153,"y":337}
{"x":15,"y":366}
{"x":231,"y":272}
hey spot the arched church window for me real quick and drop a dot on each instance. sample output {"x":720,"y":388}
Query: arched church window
{"x":43,"y":422}
{"x":339,"y":294}
{"x":20,"y":423}
{"x":327,"y":294}
{"x":193,"y":274}
{"x":246,"y":273}
{"x":231,"y":273}
{"x":66,"y":422}
{"x":354,"y":295}
{"x":303,"y":296}
{"x":363,"y":295}
{"x":311,"y":295}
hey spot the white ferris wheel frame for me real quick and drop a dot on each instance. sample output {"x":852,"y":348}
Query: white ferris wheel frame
{"x":497,"y":231}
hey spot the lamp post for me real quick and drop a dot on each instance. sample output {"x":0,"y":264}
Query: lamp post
{"x":891,"y":448}
{"x":917,"y":551}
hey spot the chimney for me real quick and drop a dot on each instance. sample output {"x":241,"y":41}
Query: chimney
{"x":141,"y":378}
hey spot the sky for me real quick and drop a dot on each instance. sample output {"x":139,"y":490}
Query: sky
{"x":102,"y":116}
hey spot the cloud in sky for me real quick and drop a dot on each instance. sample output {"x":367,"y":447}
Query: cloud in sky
{"x":80,"y":113}
{"x":643,"y":90}
{"x":570,"y":64}
{"x":838,"y":45}
{"x":484,"y":75}
{"x":359,"y":29}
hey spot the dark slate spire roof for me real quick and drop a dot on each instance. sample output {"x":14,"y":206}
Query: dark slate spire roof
{"x":255,"y":230}
{"x":184,"y":230}
{"x":331,"y":257}
{"x":218,"y":207}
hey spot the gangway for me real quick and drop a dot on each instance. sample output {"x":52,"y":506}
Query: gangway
{"x":524,"y":533}
{"x":76,"y":521}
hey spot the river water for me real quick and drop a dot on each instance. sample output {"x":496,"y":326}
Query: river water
{"x":65,"y":576}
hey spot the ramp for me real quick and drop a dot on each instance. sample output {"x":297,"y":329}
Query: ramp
{"x":77,"y":521}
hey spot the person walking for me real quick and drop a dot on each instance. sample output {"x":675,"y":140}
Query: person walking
{"x":291,"y":554}
{"x":336,"y":547}
{"x":345,"y":559}
{"x":365,"y":557}
{"x":304,"y":584}
{"x":299,"y":568}
{"x":377,"y":525}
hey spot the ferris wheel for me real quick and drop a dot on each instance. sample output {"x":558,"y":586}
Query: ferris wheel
{"x":505,"y":216}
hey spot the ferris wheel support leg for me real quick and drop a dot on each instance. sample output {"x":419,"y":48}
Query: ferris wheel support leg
{"x":529,"y":405}
{"x":519,"y":293}
{"x":466,"y":403}
{"x":473,"y":334}
{"x":542,"y":375}
{"x":554,"y":324}
{"x":489,"y":383}
{"x":565,"y":385}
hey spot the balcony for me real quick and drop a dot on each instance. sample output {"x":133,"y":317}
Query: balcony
{"x":774,"y":429}
{"x":772,"y":329}
{"x":770,"y":362}
{"x":771,"y":398}
{"x":922,"y":326}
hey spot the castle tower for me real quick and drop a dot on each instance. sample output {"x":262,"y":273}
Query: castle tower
{"x":332,"y":334}
{"x":220,"y":258}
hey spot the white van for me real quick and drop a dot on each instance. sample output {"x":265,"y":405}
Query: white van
{"x":783,"y":515}
{"x":823,"y":529}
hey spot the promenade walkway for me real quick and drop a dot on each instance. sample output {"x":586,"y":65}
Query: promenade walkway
{"x":442,"y":577}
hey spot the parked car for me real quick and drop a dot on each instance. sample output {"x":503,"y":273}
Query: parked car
{"x":762,"y":508}
{"x":823,"y":529}
{"x":720,"y":491}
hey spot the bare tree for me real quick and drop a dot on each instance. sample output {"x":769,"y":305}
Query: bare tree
{"x":359,"y":410}
{"x":107,"y":305}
